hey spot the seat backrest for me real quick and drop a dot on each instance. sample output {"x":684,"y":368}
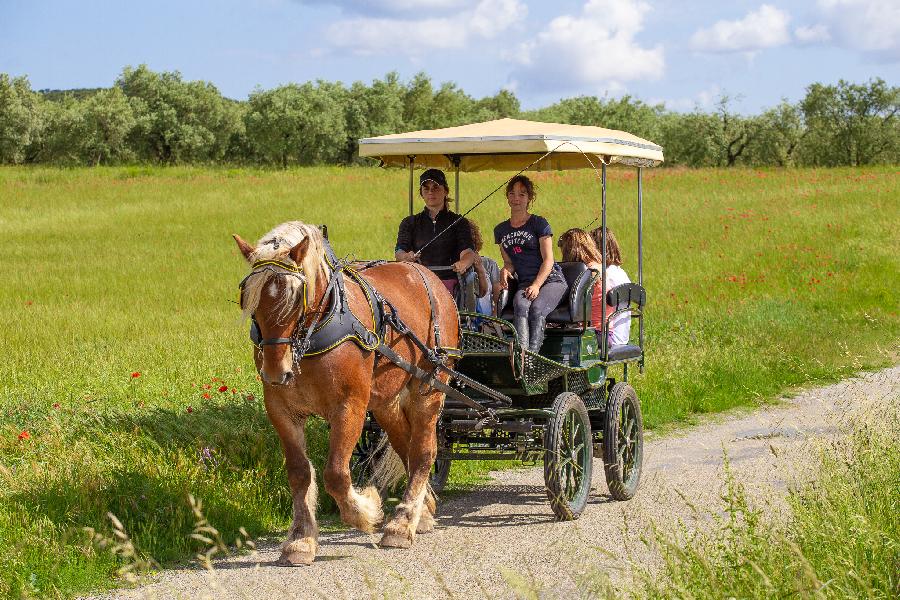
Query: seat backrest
{"x":626,"y":295}
{"x":578,"y":277}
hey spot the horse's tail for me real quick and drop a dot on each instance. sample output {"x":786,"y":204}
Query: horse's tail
{"x":388,"y":468}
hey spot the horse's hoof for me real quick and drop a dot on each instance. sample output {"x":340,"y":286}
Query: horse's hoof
{"x":395,"y":540}
{"x":298,"y":553}
{"x":296,"y":559}
{"x":426,"y":523}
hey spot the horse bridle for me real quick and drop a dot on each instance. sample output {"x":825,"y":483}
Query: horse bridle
{"x":287,"y":270}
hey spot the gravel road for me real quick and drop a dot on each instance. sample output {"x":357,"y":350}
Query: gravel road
{"x":492,"y":540}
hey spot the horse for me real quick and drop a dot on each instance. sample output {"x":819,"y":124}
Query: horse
{"x":285,"y":293}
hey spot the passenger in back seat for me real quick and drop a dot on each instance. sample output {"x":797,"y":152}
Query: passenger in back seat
{"x":578,"y":246}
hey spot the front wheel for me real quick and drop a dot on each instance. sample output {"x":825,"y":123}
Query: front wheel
{"x":623,"y":442}
{"x":568,"y":457}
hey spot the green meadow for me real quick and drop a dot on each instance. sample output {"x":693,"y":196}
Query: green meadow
{"x":127,"y":381}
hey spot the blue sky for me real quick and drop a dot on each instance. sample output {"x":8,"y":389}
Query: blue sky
{"x":682,"y":53}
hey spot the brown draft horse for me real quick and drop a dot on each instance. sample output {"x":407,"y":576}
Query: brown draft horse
{"x":341,"y":384}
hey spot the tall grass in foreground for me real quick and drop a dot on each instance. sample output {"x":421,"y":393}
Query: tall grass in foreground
{"x":126,"y":381}
{"x":842,"y":539}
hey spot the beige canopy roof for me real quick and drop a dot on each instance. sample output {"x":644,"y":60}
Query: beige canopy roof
{"x":512,"y":144}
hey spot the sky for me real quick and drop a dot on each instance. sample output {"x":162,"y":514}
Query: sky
{"x":685,"y":54}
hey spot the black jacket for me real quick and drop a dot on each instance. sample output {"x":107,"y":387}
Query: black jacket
{"x":417,"y":230}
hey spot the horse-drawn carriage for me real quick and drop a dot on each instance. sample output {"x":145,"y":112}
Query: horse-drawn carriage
{"x":435,"y":375}
{"x":572,"y":401}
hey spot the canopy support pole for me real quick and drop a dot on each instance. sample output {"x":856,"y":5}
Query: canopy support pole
{"x":640,"y":224}
{"x":411,"y":177}
{"x":640,"y":211}
{"x":455,"y":160}
{"x":605,"y":328}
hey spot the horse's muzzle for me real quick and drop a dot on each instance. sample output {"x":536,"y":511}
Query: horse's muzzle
{"x":285,"y":378}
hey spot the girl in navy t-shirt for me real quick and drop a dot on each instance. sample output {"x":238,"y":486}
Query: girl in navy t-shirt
{"x":527,"y":247}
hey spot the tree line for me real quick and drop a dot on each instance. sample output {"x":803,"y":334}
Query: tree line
{"x":158,"y":117}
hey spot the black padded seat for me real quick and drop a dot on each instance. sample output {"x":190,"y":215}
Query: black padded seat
{"x":572,"y":307}
{"x":623,"y":351}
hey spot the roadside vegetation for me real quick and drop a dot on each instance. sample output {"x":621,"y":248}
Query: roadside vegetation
{"x":841,"y":538}
{"x":127,"y":382}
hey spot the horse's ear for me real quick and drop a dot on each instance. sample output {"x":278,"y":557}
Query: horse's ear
{"x":245,"y":248}
{"x":298,"y":252}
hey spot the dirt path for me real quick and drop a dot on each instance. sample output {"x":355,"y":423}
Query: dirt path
{"x":505,"y":531}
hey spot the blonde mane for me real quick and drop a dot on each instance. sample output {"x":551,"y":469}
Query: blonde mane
{"x":275,"y":245}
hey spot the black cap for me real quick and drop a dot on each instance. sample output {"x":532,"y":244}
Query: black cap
{"x":435,"y":175}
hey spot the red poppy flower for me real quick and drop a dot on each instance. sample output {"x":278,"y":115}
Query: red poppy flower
{"x":56,"y":405}
{"x":190,"y":409}
{"x":24,"y":435}
{"x":223,"y":388}
{"x":251,"y":397}
{"x":28,"y":303}
{"x":206,"y":395}
{"x":207,"y":386}
{"x":135,"y":375}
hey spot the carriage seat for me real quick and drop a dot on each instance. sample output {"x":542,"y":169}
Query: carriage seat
{"x":623,"y":351}
{"x":575,"y":305}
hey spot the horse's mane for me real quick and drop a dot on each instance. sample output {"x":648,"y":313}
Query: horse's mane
{"x":275,"y":245}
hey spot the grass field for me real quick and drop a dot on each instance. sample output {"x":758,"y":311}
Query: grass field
{"x":120,"y":328}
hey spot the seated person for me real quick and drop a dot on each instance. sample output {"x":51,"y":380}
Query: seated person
{"x":487,"y":272}
{"x":526,"y":244}
{"x":451,"y":248}
{"x":578,"y":246}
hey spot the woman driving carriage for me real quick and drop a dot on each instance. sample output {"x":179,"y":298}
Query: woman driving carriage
{"x":525,"y":242}
{"x":424,"y":232}
{"x":578,"y":246}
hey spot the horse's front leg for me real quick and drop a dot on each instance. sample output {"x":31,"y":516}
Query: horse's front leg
{"x":359,"y":509}
{"x":302,"y":540}
{"x":417,"y":506}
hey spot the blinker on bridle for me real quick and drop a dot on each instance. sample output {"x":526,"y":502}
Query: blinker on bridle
{"x":292,"y":270}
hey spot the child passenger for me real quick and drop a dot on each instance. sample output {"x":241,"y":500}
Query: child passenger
{"x":488,"y":273}
{"x":578,"y":246}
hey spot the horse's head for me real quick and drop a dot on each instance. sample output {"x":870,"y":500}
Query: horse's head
{"x":277,"y":291}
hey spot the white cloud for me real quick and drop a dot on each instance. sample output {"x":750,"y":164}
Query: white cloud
{"x":872,"y":26}
{"x":814,"y":34}
{"x":596,"y":49}
{"x":765,"y":27}
{"x":382,"y":35}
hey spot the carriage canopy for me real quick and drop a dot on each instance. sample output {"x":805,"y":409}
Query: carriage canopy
{"x":512,"y":144}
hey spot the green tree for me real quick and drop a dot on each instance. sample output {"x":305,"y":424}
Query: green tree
{"x":296,"y":124}
{"x":781,"y":132}
{"x":22,"y":114}
{"x":417,"y":103}
{"x":371,"y":111}
{"x":177,"y":121}
{"x":851,"y":124}
{"x":690,"y":139}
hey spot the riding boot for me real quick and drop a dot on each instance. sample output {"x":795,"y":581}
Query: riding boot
{"x":536,"y":325}
{"x":521,"y":325}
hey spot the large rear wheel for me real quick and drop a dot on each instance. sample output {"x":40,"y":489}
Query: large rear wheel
{"x":623,"y":442}
{"x":568,"y":457}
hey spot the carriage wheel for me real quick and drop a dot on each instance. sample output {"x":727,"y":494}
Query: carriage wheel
{"x":568,"y":457}
{"x":623,"y":442}
{"x":364,"y":456}
{"x":440,"y":471}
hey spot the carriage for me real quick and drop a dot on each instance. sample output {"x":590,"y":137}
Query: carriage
{"x":572,"y":401}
